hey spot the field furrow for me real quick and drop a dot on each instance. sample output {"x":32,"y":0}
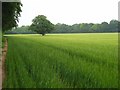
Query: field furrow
{"x":49,"y":62}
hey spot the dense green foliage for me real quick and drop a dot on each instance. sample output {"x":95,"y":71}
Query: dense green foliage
{"x":10,"y":13}
{"x":21,"y":30}
{"x":78,"y":28}
{"x":72,"y":60}
{"x":41,"y":25}
{"x":87,"y":27}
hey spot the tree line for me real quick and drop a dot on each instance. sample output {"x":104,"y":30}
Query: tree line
{"x":112,"y":26}
{"x":40,"y":24}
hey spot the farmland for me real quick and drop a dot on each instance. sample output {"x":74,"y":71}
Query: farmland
{"x":62,"y":61}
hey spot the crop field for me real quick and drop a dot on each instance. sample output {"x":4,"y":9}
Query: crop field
{"x":62,"y":61}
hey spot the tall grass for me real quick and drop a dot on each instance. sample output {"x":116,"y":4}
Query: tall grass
{"x":62,"y":61}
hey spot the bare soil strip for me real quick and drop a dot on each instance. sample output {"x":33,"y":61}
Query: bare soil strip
{"x":0,"y":68}
{"x":2,"y":64}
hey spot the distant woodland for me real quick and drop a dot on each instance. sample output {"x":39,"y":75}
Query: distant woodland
{"x":112,"y":26}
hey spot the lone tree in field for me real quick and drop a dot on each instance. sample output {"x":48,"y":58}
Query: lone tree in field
{"x":41,"y":25}
{"x":10,"y":14}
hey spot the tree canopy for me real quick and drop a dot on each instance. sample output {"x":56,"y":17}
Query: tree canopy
{"x":112,"y":26}
{"x":10,"y":14}
{"x":41,"y":25}
{"x":20,"y":30}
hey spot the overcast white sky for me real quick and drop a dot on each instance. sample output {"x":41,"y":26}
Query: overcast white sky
{"x":69,"y":11}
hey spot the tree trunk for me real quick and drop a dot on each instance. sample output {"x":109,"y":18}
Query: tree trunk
{"x":43,"y":34}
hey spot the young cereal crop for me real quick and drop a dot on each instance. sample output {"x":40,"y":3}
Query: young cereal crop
{"x":62,"y":61}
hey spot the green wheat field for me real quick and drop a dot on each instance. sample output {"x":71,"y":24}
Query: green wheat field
{"x":62,"y":61}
